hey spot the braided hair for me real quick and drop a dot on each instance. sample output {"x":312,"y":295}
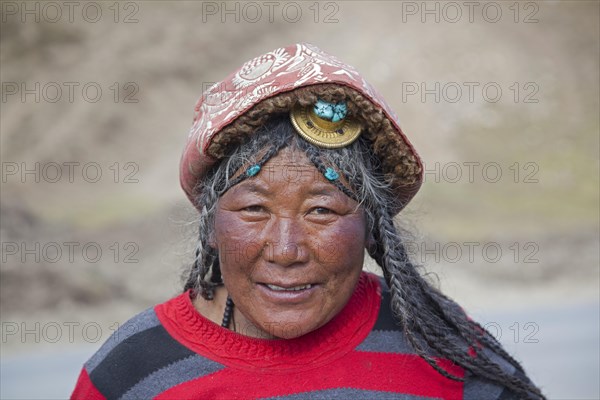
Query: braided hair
{"x":434,"y":325}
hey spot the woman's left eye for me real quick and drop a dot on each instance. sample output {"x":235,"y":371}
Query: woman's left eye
{"x":253,"y":209}
{"x":321,"y":211}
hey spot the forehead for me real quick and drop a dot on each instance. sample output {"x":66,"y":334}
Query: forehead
{"x":289,"y":179}
{"x":289,"y":172}
{"x":292,"y":166}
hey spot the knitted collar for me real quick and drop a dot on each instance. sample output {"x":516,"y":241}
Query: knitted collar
{"x":339,"y":336}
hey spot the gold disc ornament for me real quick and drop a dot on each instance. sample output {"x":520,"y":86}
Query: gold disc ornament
{"x":328,"y":133}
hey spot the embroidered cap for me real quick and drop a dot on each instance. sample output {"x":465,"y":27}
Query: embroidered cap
{"x":292,"y":80}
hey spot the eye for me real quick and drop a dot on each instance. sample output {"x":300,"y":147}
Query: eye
{"x":322,"y":215}
{"x":253,"y":209}
{"x":254,"y":213}
{"x":321,"y":211}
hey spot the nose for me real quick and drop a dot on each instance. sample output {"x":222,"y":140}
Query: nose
{"x":286,"y":242}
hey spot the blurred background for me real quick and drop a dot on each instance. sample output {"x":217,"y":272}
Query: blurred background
{"x":501,"y":99}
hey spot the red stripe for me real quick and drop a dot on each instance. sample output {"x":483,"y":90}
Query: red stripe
{"x":389,"y":372}
{"x":85,"y":389}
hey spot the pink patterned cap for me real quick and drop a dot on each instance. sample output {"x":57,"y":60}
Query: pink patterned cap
{"x":276,"y":72}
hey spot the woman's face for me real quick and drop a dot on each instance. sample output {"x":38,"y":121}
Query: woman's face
{"x":291,"y":248}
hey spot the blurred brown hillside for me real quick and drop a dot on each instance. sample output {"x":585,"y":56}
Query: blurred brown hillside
{"x":152,"y":71}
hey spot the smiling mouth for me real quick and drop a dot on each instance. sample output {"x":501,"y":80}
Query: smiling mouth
{"x":290,"y":289}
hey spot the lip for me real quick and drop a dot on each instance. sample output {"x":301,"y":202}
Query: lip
{"x":287,"y":296}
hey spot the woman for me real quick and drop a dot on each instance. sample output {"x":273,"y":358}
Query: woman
{"x":297,"y":166}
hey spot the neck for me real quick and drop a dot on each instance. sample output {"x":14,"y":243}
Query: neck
{"x":214,"y":310}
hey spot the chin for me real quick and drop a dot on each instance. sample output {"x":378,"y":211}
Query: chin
{"x":293,"y":326}
{"x":290,"y":331}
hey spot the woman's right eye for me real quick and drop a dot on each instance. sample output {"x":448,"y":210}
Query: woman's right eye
{"x":253,"y":209}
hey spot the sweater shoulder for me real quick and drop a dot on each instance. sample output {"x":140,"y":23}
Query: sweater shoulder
{"x":141,"y":322}
{"x":388,"y":336}
{"x":141,"y":360}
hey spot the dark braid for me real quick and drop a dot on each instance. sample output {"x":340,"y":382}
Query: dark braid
{"x":440,"y":329}
{"x":205,"y":258}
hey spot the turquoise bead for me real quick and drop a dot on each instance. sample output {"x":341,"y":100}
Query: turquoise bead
{"x":331,"y":175}
{"x":253,"y":170}
{"x":339,"y":112}
{"x":324,"y":110}
{"x":329,"y":111}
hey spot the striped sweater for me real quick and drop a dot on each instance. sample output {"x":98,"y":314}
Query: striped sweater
{"x":173,"y":352}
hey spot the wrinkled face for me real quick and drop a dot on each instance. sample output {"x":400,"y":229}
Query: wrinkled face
{"x":291,"y":248}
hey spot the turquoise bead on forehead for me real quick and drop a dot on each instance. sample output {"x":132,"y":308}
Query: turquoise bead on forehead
{"x":330,"y":174}
{"x":330,"y":111}
{"x":253,"y":170}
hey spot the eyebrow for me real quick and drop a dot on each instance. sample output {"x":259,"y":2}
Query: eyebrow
{"x":327,"y":190}
{"x":258,"y":188}
{"x":254,"y":187}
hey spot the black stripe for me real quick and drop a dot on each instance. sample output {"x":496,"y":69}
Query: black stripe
{"x":385,"y":319}
{"x":134,"y":359}
{"x":508,"y":394}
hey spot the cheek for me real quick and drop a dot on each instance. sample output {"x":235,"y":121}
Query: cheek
{"x":341,"y":246}
{"x":236,"y":242}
